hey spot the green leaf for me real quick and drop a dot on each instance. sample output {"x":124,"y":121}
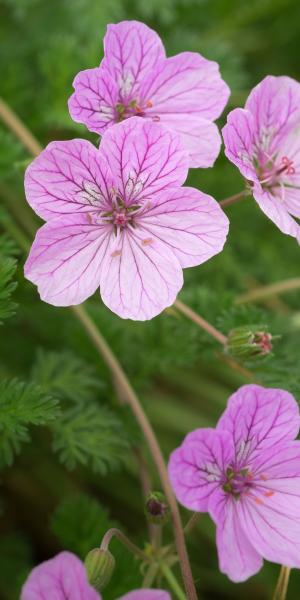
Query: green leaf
{"x":65,"y":375}
{"x":80,"y":522}
{"x":21,"y":405}
{"x":7,"y":286}
{"x":90,"y":436}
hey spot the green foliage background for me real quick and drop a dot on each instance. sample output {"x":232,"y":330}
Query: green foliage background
{"x":66,"y":445}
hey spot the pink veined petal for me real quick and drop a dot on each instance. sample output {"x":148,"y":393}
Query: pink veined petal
{"x":270,"y":516}
{"x":186,"y":83}
{"x":275,"y":106}
{"x":131,"y":52}
{"x":94,"y":100}
{"x":67,"y":177}
{"x":258,"y":418}
{"x":276,"y":208}
{"x":238,"y":559}
{"x":145,"y":157}
{"x":196,"y":468}
{"x":190,"y":222}
{"x":140,"y":276}
{"x":145,"y":594}
{"x":200,"y":137}
{"x":66,"y":258}
{"x":239,"y":138}
{"x":60,"y":578}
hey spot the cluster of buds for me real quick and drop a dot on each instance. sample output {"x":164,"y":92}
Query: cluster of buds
{"x":249,"y":342}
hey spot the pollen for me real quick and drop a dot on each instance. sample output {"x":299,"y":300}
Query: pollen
{"x":263,"y":477}
{"x":269,"y":494}
{"x":147,"y":241}
{"x":149,"y":104}
{"x":116,"y":253}
{"x":258,"y":501}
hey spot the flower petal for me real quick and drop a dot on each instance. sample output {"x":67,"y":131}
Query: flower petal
{"x":190,"y":222}
{"x":94,"y":100}
{"x":271,"y":519}
{"x":146,"y":595}
{"x":140,"y":276}
{"x":60,"y":578}
{"x":145,"y":158}
{"x":131,"y":52}
{"x":188,"y":84}
{"x":275,"y":106}
{"x":200,"y":137}
{"x":276,"y":208}
{"x":67,"y":177}
{"x":65,"y":259}
{"x":258,"y":418}
{"x":237,"y":557}
{"x":239,"y":139}
{"x":196,"y":468}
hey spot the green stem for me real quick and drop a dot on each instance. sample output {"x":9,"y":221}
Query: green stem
{"x":111,"y":533}
{"x":282,"y":584}
{"x":172,"y":581}
{"x":17,"y":234}
{"x":267,"y":291}
{"x":233,"y":199}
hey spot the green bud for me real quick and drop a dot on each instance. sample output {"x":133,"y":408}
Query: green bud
{"x":249,"y":342}
{"x":157,"y":508}
{"x":99,"y":566}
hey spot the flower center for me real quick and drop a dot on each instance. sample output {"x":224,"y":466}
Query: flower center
{"x":270,"y":173}
{"x":133,"y":108}
{"x":237,"y":482}
{"x":121,"y":215}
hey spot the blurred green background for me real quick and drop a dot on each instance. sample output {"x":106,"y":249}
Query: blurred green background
{"x":63,"y":484}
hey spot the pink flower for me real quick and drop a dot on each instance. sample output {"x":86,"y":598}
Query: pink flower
{"x":184,"y":92}
{"x":263,"y":141}
{"x":246,"y":474}
{"x":118,"y":219}
{"x":64,"y":578}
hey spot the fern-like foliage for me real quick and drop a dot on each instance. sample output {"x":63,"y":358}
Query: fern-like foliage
{"x":21,"y":405}
{"x":65,"y":375}
{"x":90,"y":436}
{"x":7,"y":286}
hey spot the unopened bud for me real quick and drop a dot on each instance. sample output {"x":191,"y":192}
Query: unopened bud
{"x":99,"y":566}
{"x":157,"y":508}
{"x":249,"y":342}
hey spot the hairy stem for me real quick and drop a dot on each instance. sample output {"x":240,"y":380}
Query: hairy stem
{"x":193,"y":316}
{"x":141,"y":418}
{"x":267,"y":291}
{"x":282,"y":584}
{"x":233,"y":199}
{"x":111,"y":533}
{"x":25,"y":136}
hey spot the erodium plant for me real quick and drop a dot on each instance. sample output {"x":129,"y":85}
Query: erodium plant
{"x":118,"y":218}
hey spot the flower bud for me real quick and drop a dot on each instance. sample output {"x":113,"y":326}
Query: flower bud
{"x":249,"y":342}
{"x":99,"y":566}
{"x":157,"y":508}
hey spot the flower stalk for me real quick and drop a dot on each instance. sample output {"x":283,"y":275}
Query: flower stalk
{"x":114,"y":532}
{"x":282,"y":584}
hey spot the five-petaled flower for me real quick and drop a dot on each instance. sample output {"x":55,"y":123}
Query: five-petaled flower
{"x":263,"y":141}
{"x":184,"y":92}
{"x":246,"y":474}
{"x":64,"y":578}
{"x":117,"y":218}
